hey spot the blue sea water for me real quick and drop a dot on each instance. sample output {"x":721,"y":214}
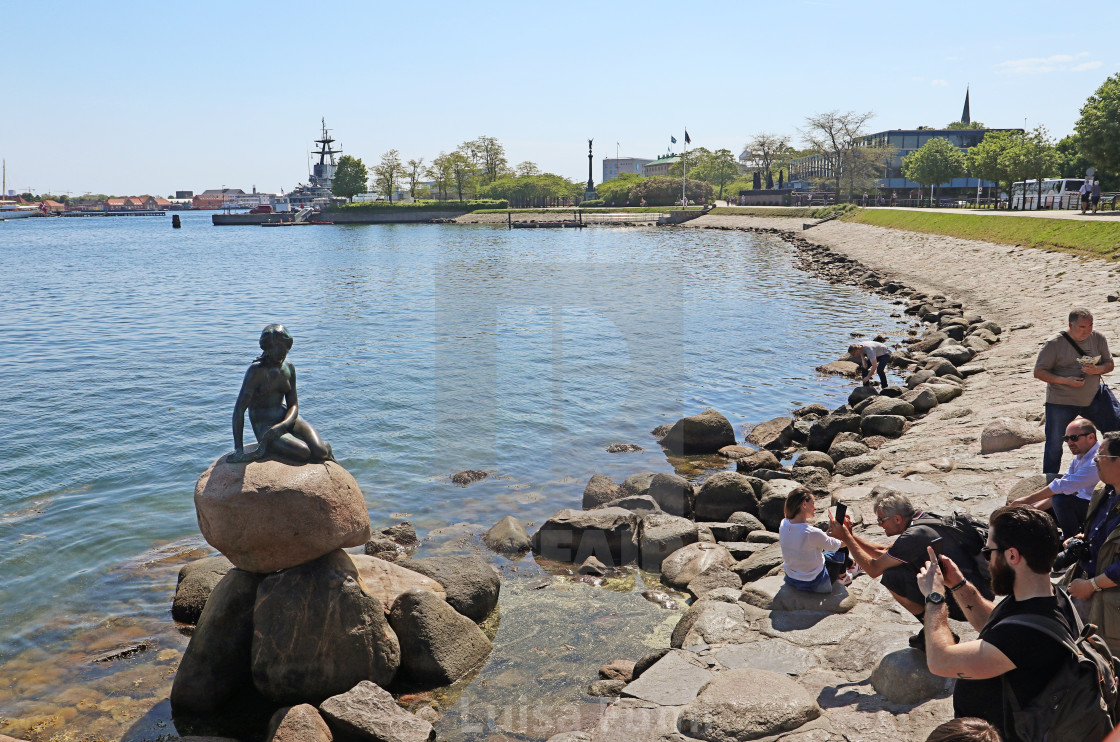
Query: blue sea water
{"x":421,"y":350}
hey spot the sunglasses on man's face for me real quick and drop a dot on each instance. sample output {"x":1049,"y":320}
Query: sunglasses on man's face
{"x":1068,"y":438}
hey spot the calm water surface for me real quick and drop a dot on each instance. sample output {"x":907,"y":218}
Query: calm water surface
{"x":421,"y":350}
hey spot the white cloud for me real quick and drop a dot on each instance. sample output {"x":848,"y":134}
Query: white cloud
{"x":939,"y":83}
{"x":1043,"y":65}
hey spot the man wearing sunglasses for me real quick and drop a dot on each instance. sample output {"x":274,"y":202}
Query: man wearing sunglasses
{"x":1067,"y":497}
{"x":1022,"y":544}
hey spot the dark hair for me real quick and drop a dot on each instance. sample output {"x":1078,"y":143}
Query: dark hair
{"x":1079,"y":313}
{"x":965,"y":729}
{"x":1110,"y":442}
{"x":1029,"y":530}
{"x":794,"y":500}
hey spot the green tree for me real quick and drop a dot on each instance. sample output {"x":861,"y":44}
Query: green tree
{"x":691,"y":159}
{"x":954,"y":125}
{"x":440,"y":172}
{"x":936,"y":163}
{"x":387,"y":173}
{"x":414,"y":170}
{"x":719,"y":168}
{"x":350,"y":178}
{"x":767,"y":151}
{"x":488,"y":157}
{"x":1099,"y":126}
{"x":664,"y":190}
{"x":541,"y":189}
{"x":991,"y":159}
{"x":527,"y":168}
{"x":462,"y":171}
{"x":838,"y":138}
{"x":1032,"y":157}
{"x":616,"y":192}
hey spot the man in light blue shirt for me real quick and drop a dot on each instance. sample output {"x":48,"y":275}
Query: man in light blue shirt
{"x":1067,"y":497}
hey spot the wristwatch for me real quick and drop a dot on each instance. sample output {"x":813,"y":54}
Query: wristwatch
{"x":1096,"y":588}
{"x":935,"y":598}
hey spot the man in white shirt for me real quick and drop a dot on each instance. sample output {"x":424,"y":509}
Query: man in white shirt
{"x":1067,"y":497}
{"x":872,"y":356}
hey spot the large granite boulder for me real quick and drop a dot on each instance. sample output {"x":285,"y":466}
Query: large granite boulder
{"x":861,"y":393}
{"x":707,"y":432}
{"x":386,"y":580}
{"x":215,"y":666}
{"x":815,"y":478}
{"x":759,"y":564}
{"x":928,"y":342}
{"x":438,"y":645}
{"x":672,"y":492}
{"x":747,"y":703}
{"x":814,"y":458}
{"x":608,"y":534}
{"x":888,"y":406}
{"x":685,"y":564}
{"x":639,"y":504}
{"x":773,"y":594}
{"x":771,"y":508}
{"x":367,"y":712}
{"x":826,"y":428}
{"x":267,"y":515}
{"x":758,"y":460}
{"x":507,"y":537}
{"x":638,"y":484}
{"x":858,"y":464}
{"x":1007,"y":434}
{"x":958,"y":355}
{"x":600,"y":490}
{"x":724,"y":493}
{"x":196,"y":581}
{"x":889,"y":426}
{"x":316,"y":633}
{"x":943,"y":392}
{"x":903,"y":677}
{"x":923,"y":400}
{"x":713,"y":578}
{"x":776,"y":433}
{"x":661,"y":535}
{"x":841,"y":450}
{"x":300,"y":723}
{"x":471,"y":582}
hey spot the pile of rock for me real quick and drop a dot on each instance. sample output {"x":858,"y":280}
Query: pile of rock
{"x":287,"y":613}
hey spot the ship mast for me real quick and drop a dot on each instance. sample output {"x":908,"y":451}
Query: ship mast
{"x":325,"y":149}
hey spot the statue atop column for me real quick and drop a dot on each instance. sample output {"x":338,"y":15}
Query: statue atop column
{"x":590,"y":193}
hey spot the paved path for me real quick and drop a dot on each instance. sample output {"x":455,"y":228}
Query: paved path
{"x":1111,"y":216}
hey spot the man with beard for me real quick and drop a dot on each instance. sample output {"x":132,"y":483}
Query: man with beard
{"x":1022,"y":544}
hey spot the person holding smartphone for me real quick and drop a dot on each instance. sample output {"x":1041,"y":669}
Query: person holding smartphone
{"x":807,"y":551}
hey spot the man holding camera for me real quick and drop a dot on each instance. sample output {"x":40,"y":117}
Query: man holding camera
{"x":1067,"y":497}
{"x":900,"y":563}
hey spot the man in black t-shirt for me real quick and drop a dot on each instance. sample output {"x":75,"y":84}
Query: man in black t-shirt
{"x":1022,"y":545}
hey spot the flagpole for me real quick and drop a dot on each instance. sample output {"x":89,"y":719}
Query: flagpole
{"x":684,"y":171}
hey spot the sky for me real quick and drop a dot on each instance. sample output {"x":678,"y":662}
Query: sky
{"x":131,"y":99}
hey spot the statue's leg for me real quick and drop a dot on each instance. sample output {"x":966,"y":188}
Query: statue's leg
{"x":290,"y":449}
{"x":319,"y":450}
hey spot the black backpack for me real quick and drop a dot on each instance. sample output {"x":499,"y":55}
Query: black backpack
{"x":972,"y":535}
{"x":1080,"y":701}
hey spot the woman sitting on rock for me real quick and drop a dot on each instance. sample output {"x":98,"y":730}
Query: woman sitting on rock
{"x":268,"y":392}
{"x":803,"y":546}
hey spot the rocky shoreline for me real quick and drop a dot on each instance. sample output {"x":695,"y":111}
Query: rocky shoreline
{"x":749,"y":660}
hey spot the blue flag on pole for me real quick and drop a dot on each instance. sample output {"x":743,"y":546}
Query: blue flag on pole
{"x":673,"y":139}
{"x":686,"y":139}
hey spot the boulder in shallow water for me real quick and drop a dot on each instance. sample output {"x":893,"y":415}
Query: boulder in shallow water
{"x":776,"y":433}
{"x":685,"y":564}
{"x":661,"y":535}
{"x":386,"y":580}
{"x":707,"y":432}
{"x":471,"y":582}
{"x":316,"y":633}
{"x":215,"y":666}
{"x":196,"y":581}
{"x":508,"y":536}
{"x":609,"y":534}
{"x":367,"y":712}
{"x":267,"y":515}
{"x":600,"y":490}
{"x":438,"y":644}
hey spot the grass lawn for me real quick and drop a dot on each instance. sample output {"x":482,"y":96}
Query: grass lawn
{"x":592,"y":210}
{"x":1101,"y":239}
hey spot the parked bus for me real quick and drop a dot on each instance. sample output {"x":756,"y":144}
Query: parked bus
{"x":1057,"y":193}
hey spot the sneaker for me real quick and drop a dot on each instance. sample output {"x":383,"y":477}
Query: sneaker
{"x":853,"y":572}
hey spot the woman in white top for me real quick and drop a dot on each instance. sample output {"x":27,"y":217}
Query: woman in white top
{"x":804,"y":546}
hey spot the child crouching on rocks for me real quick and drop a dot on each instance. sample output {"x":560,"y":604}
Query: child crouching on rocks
{"x":807,"y":564}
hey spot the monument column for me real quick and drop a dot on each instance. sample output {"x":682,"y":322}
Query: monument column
{"x":590,"y":193}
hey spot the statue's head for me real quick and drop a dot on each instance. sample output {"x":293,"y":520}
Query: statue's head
{"x":276,"y":341}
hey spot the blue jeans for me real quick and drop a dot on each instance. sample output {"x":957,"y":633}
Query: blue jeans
{"x":1058,"y":416}
{"x":1070,"y":511}
{"x":822,"y":583}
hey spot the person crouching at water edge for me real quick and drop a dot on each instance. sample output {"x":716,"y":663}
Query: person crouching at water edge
{"x":872,"y":357}
{"x":807,"y":565}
